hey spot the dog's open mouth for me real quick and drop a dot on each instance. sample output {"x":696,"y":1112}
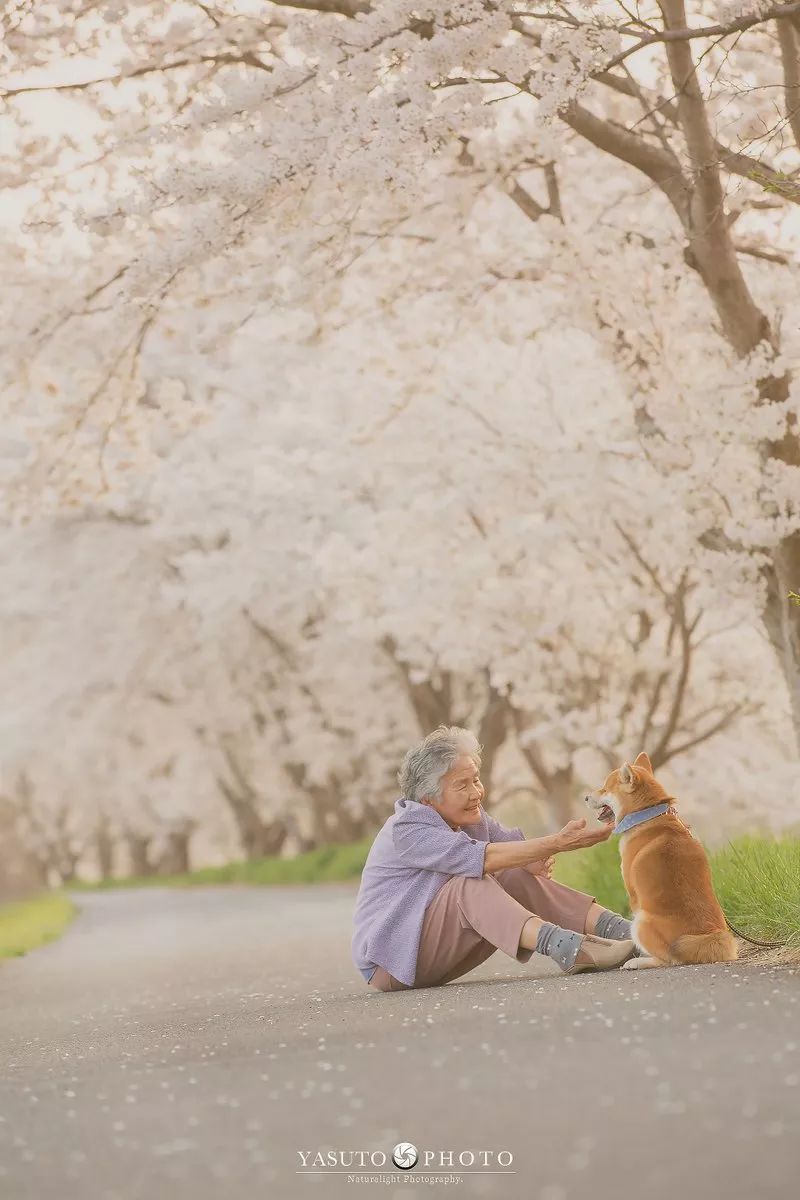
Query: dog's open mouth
{"x":606,"y":814}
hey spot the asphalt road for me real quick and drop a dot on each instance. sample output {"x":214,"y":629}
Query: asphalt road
{"x":188,"y":1044}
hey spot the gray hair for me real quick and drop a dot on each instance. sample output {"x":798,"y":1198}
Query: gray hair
{"x":426,"y":763}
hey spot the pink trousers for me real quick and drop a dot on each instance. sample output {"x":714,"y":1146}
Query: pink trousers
{"x":468,"y":919}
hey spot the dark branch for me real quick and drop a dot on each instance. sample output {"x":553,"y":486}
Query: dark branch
{"x":705,"y":31}
{"x":243,"y":59}
{"x":789,"y":41}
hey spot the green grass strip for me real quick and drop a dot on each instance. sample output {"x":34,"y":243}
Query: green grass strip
{"x":31,"y":923}
{"x":758,"y":885}
{"x":756,"y":879}
{"x":326,"y":864}
{"x":597,"y":871}
{"x":757,"y":882}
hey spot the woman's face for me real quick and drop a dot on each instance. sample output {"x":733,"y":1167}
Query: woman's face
{"x":462,"y":794}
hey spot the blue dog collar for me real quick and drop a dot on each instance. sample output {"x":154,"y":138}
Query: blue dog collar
{"x":638,"y":818}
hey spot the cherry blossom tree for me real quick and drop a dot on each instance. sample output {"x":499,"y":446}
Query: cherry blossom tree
{"x":546,"y":601}
{"x":439,"y":363}
{"x":278,"y":115}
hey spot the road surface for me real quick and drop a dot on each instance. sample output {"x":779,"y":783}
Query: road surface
{"x":191,"y":1044}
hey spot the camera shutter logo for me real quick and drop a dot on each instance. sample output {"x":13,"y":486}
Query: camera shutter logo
{"x":405,"y":1156}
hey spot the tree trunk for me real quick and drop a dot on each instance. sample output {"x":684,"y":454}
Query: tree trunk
{"x":139,"y":852}
{"x":272,"y":837}
{"x":331,"y":821}
{"x":258,"y":838}
{"x":175,"y":858}
{"x":22,"y":869}
{"x":712,"y":252}
{"x":492,"y":733}
{"x":561,"y":798}
{"x":782,"y":618}
{"x":697,"y":197}
{"x":434,"y":704}
{"x":558,"y":788}
{"x":66,"y":870}
{"x":104,"y":846}
{"x":789,"y":42}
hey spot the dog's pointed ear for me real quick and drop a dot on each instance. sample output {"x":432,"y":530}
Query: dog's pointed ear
{"x":627,"y":775}
{"x":642,"y":760}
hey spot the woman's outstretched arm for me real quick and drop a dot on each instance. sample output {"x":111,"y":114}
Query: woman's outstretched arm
{"x":574,"y":836}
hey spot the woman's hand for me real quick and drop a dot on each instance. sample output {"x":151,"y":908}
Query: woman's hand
{"x":542,"y":866}
{"x":575,"y":835}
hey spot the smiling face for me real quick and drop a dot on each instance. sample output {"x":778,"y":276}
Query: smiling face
{"x":626,"y":790}
{"x":461,"y":794}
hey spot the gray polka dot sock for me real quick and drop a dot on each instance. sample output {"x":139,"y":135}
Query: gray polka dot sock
{"x":562,"y":945}
{"x":611,"y":925}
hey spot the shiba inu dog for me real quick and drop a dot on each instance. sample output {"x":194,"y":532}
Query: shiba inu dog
{"x":677,"y":917}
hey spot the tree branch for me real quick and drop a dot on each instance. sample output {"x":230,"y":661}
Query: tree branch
{"x":431,"y":705}
{"x":789,"y":42}
{"x":724,"y":721}
{"x":736,"y":162}
{"x":685,"y":34}
{"x":710,"y":250}
{"x":520,"y":196}
{"x":245,"y":58}
{"x":774,"y":256}
{"x":530,"y":751}
{"x":345,"y":8}
{"x":658,"y":164}
{"x":685,"y":629}
{"x":285,"y":656}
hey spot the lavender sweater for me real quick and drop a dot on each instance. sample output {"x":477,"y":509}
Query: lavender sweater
{"x":413,"y":855}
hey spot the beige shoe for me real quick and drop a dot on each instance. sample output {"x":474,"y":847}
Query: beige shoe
{"x":601,"y":954}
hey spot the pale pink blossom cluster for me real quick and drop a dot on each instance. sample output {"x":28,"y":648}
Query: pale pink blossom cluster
{"x":337,"y":365}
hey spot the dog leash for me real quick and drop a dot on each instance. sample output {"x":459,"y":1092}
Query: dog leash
{"x":738,"y":932}
{"x":746,"y":938}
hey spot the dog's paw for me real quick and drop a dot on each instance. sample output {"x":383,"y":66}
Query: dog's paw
{"x":640,"y":964}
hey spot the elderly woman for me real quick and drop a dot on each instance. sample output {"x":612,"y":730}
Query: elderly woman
{"x":445,"y":885}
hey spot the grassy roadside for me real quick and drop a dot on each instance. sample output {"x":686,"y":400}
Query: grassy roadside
{"x":326,"y":864}
{"x":756,"y":880}
{"x":31,"y":923}
{"x":758,"y":884}
{"x":597,"y":871}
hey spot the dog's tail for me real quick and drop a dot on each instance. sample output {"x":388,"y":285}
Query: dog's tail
{"x":719,"y":946}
